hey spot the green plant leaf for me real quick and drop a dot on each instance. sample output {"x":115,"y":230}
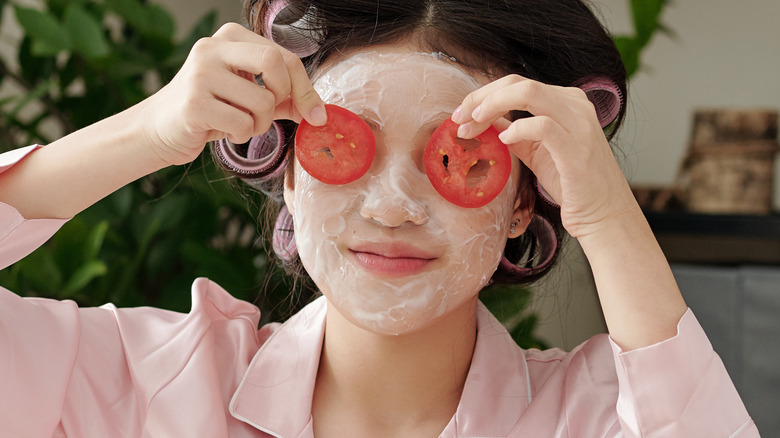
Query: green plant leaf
{"x":48,"y":36}
{"x":69,"y":72}
{"x":42,"y":271}
{"x":629,"y":52}
{"x":84,"y":275}
{"x":34,"y":68}
{"x":505,"y":302}
{"x":57,"y":7}
{"x":32,"y":95}
{"x":522,"y":333}
{"x":68,"y":245}
{"x":130,"y":11}
{"x":646,"y":15}
{"x":159,"y":22}
{"x":94,"y":241}
{"x":5,"y":101}
{"x":85,"y":32}
{"x":150,"y":20}
{"x":122,"y":200}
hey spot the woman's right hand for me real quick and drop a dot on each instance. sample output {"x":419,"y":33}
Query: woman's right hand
{"x":215,"y":95}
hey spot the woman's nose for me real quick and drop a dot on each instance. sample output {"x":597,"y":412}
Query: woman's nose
{"x":392,"y":199}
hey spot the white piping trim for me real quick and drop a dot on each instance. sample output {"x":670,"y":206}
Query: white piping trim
{"x":739,"y":431}
{"x":527,"y":377}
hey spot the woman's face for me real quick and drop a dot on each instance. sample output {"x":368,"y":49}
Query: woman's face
{"x":387,"y":250}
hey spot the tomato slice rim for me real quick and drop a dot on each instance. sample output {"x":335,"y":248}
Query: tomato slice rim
{"x":448,"y":164}
{"x":339,"y":152}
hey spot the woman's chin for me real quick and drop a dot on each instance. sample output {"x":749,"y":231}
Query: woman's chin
{"x":399,"y":319}
{"x":394,"y":326}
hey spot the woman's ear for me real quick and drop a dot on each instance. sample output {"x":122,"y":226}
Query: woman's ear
{"x":521,"y":217}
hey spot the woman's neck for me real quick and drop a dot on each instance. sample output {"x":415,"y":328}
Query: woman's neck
{"x":370,"y":384}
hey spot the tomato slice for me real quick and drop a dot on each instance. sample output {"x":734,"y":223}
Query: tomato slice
{"x":338,"y":152}
{"x":468,"y":173}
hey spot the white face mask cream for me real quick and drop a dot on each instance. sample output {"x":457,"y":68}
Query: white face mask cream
{"x":387,"y":250}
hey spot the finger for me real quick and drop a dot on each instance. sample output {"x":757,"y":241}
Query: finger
{"x":305,"y":99}
{"x":249,"y":97}
{"x":225,"y":120}
{"x":463,"y":113}
{"x":294,"y":83}
{"x":255,"y":59}
{"x":286,"y":110}
{"x":501,"y":124}
{"x":525,"y":136}
{"x":568,"y":106}
{"x":283,"y":74}
{"x":530,"y":141}
{"x":519,"y":95}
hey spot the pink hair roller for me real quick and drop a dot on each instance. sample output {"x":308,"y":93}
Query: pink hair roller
{"x":264,"y":157}
{"x":547,"y":244}
{"x":606,"y":97}
{"x":291,"y":30}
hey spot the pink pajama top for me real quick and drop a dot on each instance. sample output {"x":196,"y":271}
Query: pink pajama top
{"x":146,"y":372}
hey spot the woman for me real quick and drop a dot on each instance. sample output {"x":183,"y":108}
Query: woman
{"x":399,"y":344}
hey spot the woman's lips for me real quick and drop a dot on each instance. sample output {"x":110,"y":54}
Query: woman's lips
{"x":393,"y":259}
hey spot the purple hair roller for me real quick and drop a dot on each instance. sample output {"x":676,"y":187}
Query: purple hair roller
{"x":291,"y":30}
{"x":547,"y":240}
{"x":263,"y":157}
{"x":606,"y":97}
{"x":544,"y":194}
{"x":284,"y":237}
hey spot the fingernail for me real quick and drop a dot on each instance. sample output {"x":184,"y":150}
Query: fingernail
{"x":318,"y":116}
{"x":456,"y":115}
{"x":475,"y":113}
{"x":464,"y":130}
{"x":503,"y":136}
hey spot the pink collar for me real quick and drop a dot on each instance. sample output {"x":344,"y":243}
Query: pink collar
{"x":275,"y":395}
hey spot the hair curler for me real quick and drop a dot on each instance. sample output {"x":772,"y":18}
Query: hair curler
{"x":606,"y":97}
{"x":291,"y":29}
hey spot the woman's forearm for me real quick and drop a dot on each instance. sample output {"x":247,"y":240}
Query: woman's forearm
{"x":72,"y":173}
{"x":210,"y":98}
{"x":639,"y":296}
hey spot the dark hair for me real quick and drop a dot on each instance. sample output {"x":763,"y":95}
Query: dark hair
{"x":558,"y":42}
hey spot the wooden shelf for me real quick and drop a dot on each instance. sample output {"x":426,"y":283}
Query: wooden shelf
{"x":717,"y":239}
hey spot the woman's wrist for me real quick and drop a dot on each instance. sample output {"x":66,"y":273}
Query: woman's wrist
{"x":74,"y":172}
{"x":639,"y":296}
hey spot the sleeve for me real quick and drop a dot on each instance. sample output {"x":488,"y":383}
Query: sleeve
{"x":20,"y":236}
{"x":679,"y":387}
{"x":38,"y":348}
{"x":38,"y":339}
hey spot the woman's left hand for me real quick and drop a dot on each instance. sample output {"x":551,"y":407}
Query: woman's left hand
{"x":563,"y":144}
